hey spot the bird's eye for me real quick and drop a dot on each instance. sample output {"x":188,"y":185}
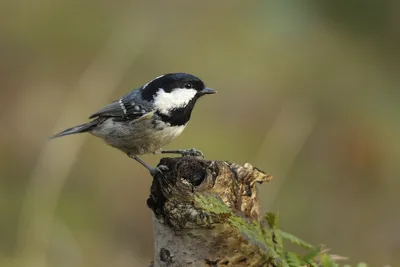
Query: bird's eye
{"x":188,"y":85}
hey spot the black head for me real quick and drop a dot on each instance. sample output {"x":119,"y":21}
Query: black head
{"x":174,"y":96}
{"x":174,"y":81}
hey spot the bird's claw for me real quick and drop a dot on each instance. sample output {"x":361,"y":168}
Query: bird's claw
{"x":192,"y":153}
{"x":158,"y":170}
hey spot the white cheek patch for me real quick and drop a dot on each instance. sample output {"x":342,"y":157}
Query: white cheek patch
{"x":178,"y":98}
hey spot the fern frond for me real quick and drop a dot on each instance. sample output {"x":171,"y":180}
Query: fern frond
{"x":292,"y":259}
{"x":310,"y":257}
{"x":294,"y":239}
{"x":327,"y":261}
{"x":272,"y":219}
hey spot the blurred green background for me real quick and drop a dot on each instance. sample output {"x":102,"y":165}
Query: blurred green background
{"x":307,"y":91}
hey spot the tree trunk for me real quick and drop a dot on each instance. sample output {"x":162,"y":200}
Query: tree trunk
{"x":207,"y":213}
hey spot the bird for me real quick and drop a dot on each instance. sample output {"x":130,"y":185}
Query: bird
{"x":147,"y":118}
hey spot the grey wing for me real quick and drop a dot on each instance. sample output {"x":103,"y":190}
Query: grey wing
{"x":124,"y":109}
{"x":111,"y":110}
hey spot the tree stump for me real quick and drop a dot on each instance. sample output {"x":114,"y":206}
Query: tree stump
{"x":207,"y":213}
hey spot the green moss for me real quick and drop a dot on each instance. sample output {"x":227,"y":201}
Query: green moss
{"x":267,"y":236}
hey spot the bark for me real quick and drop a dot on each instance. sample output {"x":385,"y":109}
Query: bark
{"x":207,"y":213}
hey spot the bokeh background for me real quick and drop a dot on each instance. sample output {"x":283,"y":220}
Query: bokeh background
{"x":307,"y":91}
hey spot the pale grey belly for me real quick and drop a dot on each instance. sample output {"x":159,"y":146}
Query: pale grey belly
{"x":137,"y":137}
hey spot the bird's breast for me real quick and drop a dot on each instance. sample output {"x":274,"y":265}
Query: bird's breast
{"x":139,"y":137}
{"x":149,"y":140}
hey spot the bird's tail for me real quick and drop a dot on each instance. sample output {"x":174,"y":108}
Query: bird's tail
{"x":77,"y":129}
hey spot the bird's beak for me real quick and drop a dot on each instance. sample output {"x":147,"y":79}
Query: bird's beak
{"x":208,"y":91}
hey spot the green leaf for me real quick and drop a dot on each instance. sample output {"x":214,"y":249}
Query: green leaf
{"x":272,"y":219}
{"x":293,"y":260}
{"x":327,"y":261}
{"x":362,"y":264}
{"x":310,"y":257}
{"x":278,"y":242}
{"x":294,"y":239}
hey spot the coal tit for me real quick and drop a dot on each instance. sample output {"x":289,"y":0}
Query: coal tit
{"x":148,"y":118}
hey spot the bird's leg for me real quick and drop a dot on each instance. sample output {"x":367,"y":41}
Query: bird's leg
{"x":153,"y":171}
{"x":183,"y":152}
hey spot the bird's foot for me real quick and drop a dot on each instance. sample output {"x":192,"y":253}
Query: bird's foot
{"x":184,"y":152}
{"x":191,"y":153}
{"x":153,"y":171}
{"x":158,"y":170}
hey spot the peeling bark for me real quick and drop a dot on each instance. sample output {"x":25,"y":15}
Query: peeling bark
{"x":204,"y":213}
